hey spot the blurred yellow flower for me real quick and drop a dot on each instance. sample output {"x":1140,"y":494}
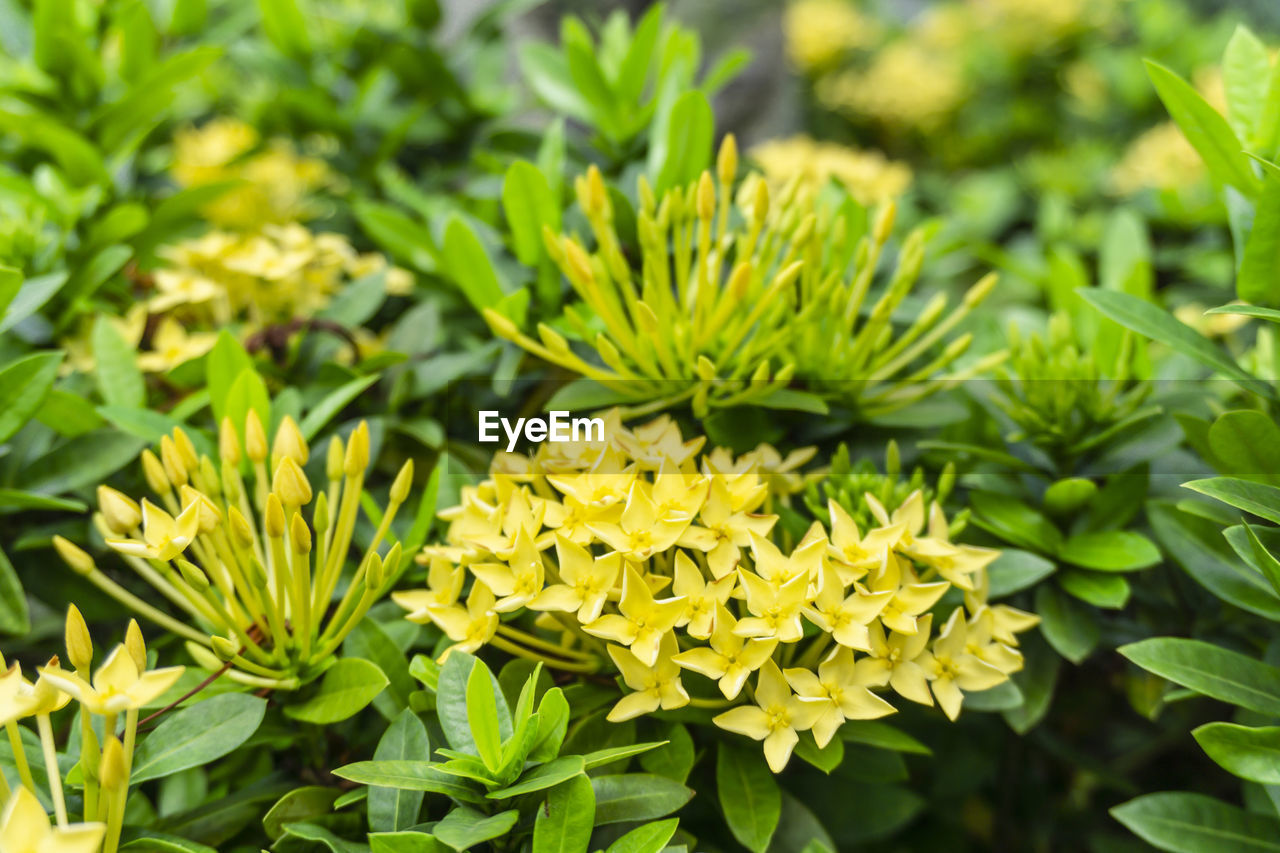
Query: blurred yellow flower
{"x":869,"y":176}
{"x":906,"y":85}
{"x":172,"y":345}
{"x":25,"y":828}
{"x":1160,"y":159}
{"x":818,"y":32}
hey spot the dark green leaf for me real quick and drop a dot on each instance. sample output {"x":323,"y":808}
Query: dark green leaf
{"x":1205,"y":668}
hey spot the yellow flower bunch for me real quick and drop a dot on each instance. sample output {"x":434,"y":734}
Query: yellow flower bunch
{"x":1159,"y":159}
{"x":819,"y":32}
{"x":869,"y":176}
{"x":272,"y":275}
{"x":253,"y":560}
{"x":1024,"y":27}
{"x":668,"y":561}
{"x":739,"y":295}
{"x":907,"y":85}
{"x":273,"y":184}
{"x":122,"y":684}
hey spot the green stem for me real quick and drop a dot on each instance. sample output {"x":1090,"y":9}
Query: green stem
{"x":51,"y":767}
{"x":522,"y":652}
{"x":20,"y":757}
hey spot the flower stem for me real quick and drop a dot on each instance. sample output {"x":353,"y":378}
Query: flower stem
{"x":521,"y":652}
{"x":539,"y":643}
{"x":20,"y":757}
{"x":51,"y":767}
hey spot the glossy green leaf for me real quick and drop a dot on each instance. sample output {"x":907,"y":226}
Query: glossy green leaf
{"x":748,"y":795}
{"x":1110,"y":551}
{"x":649,"y":838}
{"x":86,"y":460}
{"x":1197,"y":545}
{"x":197,"y":735}
{"x":467,"y":265}
{"x":1246,"y":72}
{"x":1015,"y":522}
{"x":405,"y":842}
{"x":404,"y":740}
{"x":24,"y":384}
{"x":1016,"y":570}
{"x":408,"y":776}
{"x":1098,"y":589}
{"x":451,"y":702}
{"x":1244,"y":751}
{"x":346,"y":687}
{"x":676,"y":759}
{"x":1258,"y":498}
{"x":463,"y":828}
{"x":1256,"y":280}
{"x":1205,"y":668}
{"x":1068,"y":626}
{"x":482,"y":717}
{"x":1194,"y":823}
{"x":308,"y":803}
{"x":1205,"y":128}
{"x":369,"y":641}
{"x":637,"y":796}
{"x":680,"y":143}
{"x":529,"y":205}
{"x":542,"y":777}
{"x":14,"y":618}
{"x":1246,"y":443}
{"x":564,"y":823}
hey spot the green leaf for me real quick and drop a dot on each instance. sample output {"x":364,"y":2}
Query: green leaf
{"x":676,"y":759}
{"x":1153,"y":322}
{"x":564,"y":823}
{"x":1066,"y":496}
{"x":1256,"y":279}
{"x":1271,"y":314}
{"x":826,"y":758}
{"x":197,"y":735}
{"x":1205,"y":668}
{"x":451,"y":702}
{"x":1110,"y":551}
{"x":883,"y":736}
{"x":637,"y":796}
{"x":1069,"y":627}
{"x":404,"y":740}
{"x":23,"y":386}
{"x":1206,"y":130}
{"x":1246,"y":71}
{"x":18,"y":499}
{"x":1016,"y":570}
{"x":529,"y":205}
{"x":347,"y":687}
{"x":464,"y":828}
{"x":467,"y":265}
{"x":319,"y":835}
{"x":146,"y":424}
{"x":286,"y":26}
{"x":650,"y":838}
{"x":1196,"y":544}
{"x":1247,"y":444}
{"x":482,"y":716}
{"x":85,"y":460}
{"x":248,"y":391}
{"x":405,"y":842}
{"x":32,"y":296}
{"x":547,"y":73}
{"x":1258,"y":498}
{"x":542,"y":777}
{"x":553,"y":724}
{"x":10,"y":284}
{"x":680,"y":142}
{"x":634,"y":70}
{"x":408,"y":776}
{"x":1194,"y":823}
{"x":400,"y":235}
{"x":1100,"y":590}
{"x":370,"y":642}
{"x":300,"y":805}
{"x":1263,"y":558}
{"x":222,"y":366}
{"x":601,"y":757}
{"x":1250,"y":753}
{"x":748,"y":794}
{"x":14,"y":618}
{"x":1014,"y":521}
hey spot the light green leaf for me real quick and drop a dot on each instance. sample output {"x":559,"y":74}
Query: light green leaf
{"x":1258,"y":498}
{"x":1015,"y":522}
{"x":1247,"y":444}
{"x":405,"y":842}
{"x":286,"y":26}
{"x":1256,"y":280}
{"x":529,"y":204}
{"x":1096,"y":588}
{"x":542,"y":777}
{"x":400,"y":235}
{"x":564,"y":824}
{"x":1246,"y":72}
{"x":404,"y":740}
{"x":649,"y":838}
{"x":882,"y":735}
{"x":467,"y":265}
{"x":347,"y":687}
{"x":222,"y":366}
{"x":676,"y":759}
{"x":680,"y":142}
{"x":14,"y":618}
{"x":1110,"y":551}
{"x":1205,"y":668}
{"x":24,"y":384}
{"x":1250,"y":753}
{"x":197,"y":735}
{"x":601,"y":757}
{"x":464,"y":827}
{"x":1194,"y":823}
{"x":370,"y":642}
{"x":408,"y":776}
{"x":451,"y":702}
{"x":482,"y":717}
{"x":1196,"y":544}
{"x":298,"y":806}
{"x":86,"y":460}
{"x":1016,"y":570}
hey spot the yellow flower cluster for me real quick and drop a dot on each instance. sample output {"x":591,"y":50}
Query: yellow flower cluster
{"x":869,"y":176}
{"x":262,"y":579}
{"x":820,"y":32}
{"x":1029,"y":26}
{"x":122,"y":684}
{"x":906,"y":85}
{"x":671,"y":558}
{"x":272,"y":184}
{"x":1160,"y":159}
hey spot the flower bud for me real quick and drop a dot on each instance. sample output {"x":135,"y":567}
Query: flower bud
{"x":648,"y":204}
{"x":403,"y":483}
{"x":192,"y":575}
{"x":111,"y":770}
{"x":228,"y":442}
{"x":883,"y":226}
{"x":241,"y":529}
{"x":256,"y":574}
{"x":979,"y":291}
{"x":300,"y":533}
{"x":274,"y":517}
{"x":552,"y":339}
{"x":209,"y":515}
{"x":740,"y":279}
{"x":501,"y":325}
{"x":289,"y":442}
{"x":186,"y":450}
{"x":375,"y":572}
{"x":577,"y":262}
{"x":357,"y":459}
{"x":255,"y":438}
{"x":79,"y":643}
{"x":727,"y":161}
{"x":157,"y":480}
{"x":706,"y":368}
{"x":134,"y":643}
{"x":760,"y":204}
{"x":705,"y":199}
{"x":291,"y":484}
{"x":210,"y":480}
{"x":224,"y":648}
{"x":320,"y":517}
{"x":174,"y":467}
{"x":334,"y":459}
{"x":74,"y":556}
{"x":119,"y":510}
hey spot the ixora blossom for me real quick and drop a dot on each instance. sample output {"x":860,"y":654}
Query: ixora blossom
{"x":869,"y":176}
{"x":121,"y":685}
{"x":643,"y":554}
{"x":736,"y":298}
{"x":253,"y":562}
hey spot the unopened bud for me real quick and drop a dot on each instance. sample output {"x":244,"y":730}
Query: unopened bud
{"x":192,"y":575}
{"x":255,"y":438}
{"x":111,"y":770}
{"x":760,"y":204}
{"x":727,"y":161}
{"x":403,"y":483}
{"x":705,"y":199}
{"x":648,"y":204}
{"x":79,"y":643}
{"x":224,"y":648}
{"x":186,"y":450}
{"x":135,"y":645}
{"x":241,"y":529}
{"x":320,"y":518}
{"x":291,"y":484}
{"x":289,"y":442}
{"x":551,"y":339}
{"x":208,"y":513}
{"x":120,"y":511}
{"x":375,"y":572}
{"x":357,"y":459}
{"x":174,"y":466}
{"x":884,"y":222}
{"x":209,"y":479}
{"x":74,"y":556}
{"x":501,"y":324}
{"x":157,"y":480}
{"x":740,"y":279}
{"x":300,"y":533}
{"x":595,"y":198}
{"x":577,"y":262}
{"x":334,"y":459}
{"x":705,"y":368}
{"x":979,"y":291}
{"x":228,"y":442}
{"x":274,"y":517}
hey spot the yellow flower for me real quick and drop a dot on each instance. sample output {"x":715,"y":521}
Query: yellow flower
{"x":951,"y":668}
{"x":172,"y":345}
{"x":775,"y":607}
{"x":587,"y":581}
{"x":869,"y":176}
{"x":20,"y":698}
{"x":164,"y":537}
{"x":702,"y":599}
{"x":444,"y":585}
{"x":516,"y":581}
{"x":25,"y":828}
{"x":841,"y":685}
{"x":724,"y":531}
{"x":1160,"y":159}
{"x":639,"y":532}
{"x":655,"y":686}
{"x":470,"y":627}
{"x":898,"y":655}
{"x":730,"y":658}
{"x":907,"y":85}
{"x":909,"y":599}
{"x":117,"y":685}
{"x":819,"y":31}
{"x":643,"y":621}
{"x":776,"y":717}
{"x":853,"y":554}
{"x":845,"y":618}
